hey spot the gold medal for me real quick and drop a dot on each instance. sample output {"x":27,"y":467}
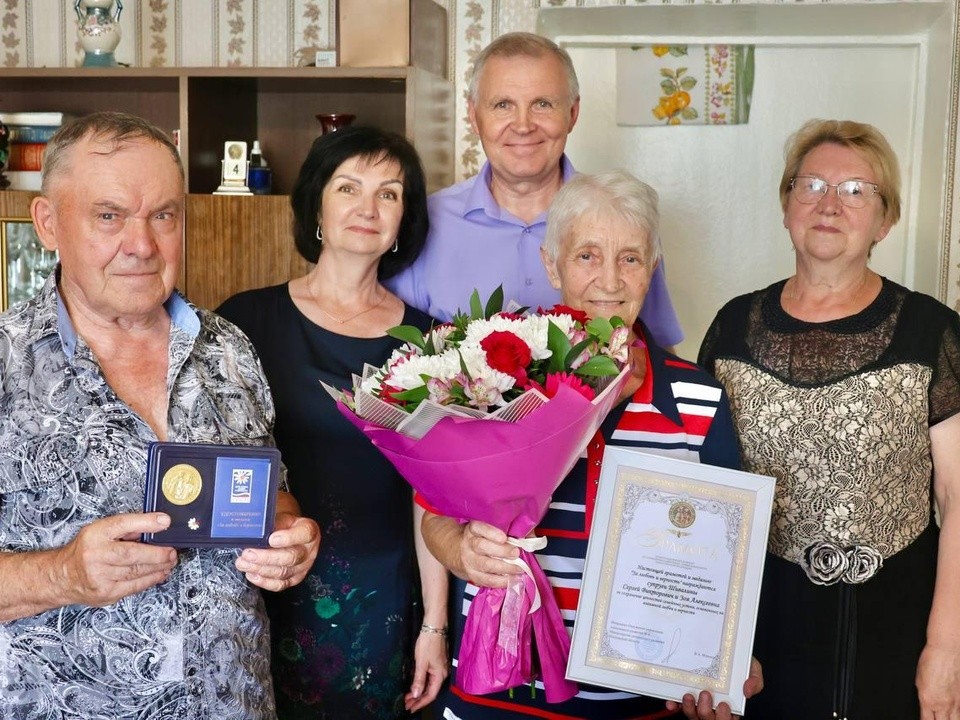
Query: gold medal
{"x":181,"y":484}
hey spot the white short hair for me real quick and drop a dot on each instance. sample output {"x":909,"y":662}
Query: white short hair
{"x":613,"y":192}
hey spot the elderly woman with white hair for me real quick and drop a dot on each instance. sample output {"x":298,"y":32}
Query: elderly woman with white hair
{"x":600,"y":251}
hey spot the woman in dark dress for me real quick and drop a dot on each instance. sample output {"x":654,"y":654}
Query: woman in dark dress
{"x":846,"y":387}
{"x":342,"y":642}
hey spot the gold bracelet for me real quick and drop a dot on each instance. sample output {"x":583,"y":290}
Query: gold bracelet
{"x":433,"y":630}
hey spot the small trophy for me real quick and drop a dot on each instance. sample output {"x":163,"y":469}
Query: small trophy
{"x":234,"y":169}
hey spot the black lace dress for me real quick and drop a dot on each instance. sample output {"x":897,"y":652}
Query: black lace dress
{"x":839,"y":412}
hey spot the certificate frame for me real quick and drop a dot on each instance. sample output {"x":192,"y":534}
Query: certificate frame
{"x":676,"y":551}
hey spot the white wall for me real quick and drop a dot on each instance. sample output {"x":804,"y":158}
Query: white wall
{"x":722,"y":227}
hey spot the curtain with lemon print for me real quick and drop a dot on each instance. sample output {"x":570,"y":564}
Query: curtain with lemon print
{"x":684,"y":84}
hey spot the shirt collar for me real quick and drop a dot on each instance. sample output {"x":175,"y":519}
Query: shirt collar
{"x":659,"y":394}
{"x":182,"y":315}
{"x":480,"y":197}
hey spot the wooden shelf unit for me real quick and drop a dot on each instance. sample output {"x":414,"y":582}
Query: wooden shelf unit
{"x":237,"y":243}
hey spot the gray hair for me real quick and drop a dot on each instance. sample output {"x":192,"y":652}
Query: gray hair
{"x":114,"y":127}
{"x":614,"y":192}
{"x":528,"y":45}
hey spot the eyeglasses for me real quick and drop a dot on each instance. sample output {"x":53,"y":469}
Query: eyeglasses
{"x":852,"y":193}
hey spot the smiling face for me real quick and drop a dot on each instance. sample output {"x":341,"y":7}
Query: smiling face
{"x":523,"y":114}
{"x":603,"y":267}
{"x":828,"y":231}
{"x":115,"y":216}
{"x":361,"y":207}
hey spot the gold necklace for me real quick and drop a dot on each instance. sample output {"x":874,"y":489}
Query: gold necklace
{"x":352,"y":317}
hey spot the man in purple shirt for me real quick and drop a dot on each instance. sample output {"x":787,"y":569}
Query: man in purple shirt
{"x":523,"y":102}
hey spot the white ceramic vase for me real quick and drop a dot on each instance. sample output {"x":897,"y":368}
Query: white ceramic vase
{"x":99,"y":31}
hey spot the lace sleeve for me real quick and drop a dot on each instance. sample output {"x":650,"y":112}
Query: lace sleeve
{"x":945,"y":387}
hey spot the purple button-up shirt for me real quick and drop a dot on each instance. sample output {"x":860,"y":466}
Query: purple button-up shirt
{"x":476,"y":244}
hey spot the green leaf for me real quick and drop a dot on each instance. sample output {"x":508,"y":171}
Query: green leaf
{"x":667,"y":72}
{"x":688,"y":83}
{"x":678,"y":50}
{"x":559,"y":346}
{"x":680,"y":71}
{"x":429,"y":347}
{"x":601,"y":328}
{"x":598,"y":366}
{"x":407,"y":333}
{"x":495,"y":303}
{"x":463,"y":366}
{"x":415,"y":395}
{"x":669,"y":87}
{"x":476,"y":310}
{"x":575,"y":351}
{"x":688,"y":113}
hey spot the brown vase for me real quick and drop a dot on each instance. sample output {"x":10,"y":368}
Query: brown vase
{"x":331,"y":122}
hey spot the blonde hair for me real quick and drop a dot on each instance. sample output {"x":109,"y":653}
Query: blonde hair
{"x":864,"y":139}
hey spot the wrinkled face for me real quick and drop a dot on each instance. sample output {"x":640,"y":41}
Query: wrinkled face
{"x":361,"y":207}
{"x":603,"y":267}
{"x":828,"y":231}
{"x":115,"y":216}
{"x":523,"y":115}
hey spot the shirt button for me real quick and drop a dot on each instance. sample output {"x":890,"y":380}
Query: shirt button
{"x":528,"y":282}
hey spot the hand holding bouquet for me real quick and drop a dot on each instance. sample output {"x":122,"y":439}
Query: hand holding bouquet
{"x":484,"y":417}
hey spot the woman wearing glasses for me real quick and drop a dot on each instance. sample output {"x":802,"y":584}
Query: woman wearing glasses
{"x":845,"y":386}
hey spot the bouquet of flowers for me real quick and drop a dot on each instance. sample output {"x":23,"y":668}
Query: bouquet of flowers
{"x":484,"y":417}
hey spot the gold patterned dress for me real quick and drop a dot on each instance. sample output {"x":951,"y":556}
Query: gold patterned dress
{"x":839,"y":412}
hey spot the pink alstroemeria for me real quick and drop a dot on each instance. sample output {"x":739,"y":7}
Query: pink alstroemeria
{"x":482,"y":392}
{"x":555,"y":380}
{"x":618,"y":348}
{"x":439,"y":390}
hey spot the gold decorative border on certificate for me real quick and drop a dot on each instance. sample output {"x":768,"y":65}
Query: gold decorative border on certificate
{"x":736,"y":506}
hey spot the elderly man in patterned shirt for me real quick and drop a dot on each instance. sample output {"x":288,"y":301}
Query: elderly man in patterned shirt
{"x":104,"y":360}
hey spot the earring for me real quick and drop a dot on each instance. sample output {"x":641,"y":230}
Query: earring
{"x":319,"y":235}
{"x":396,"y":244}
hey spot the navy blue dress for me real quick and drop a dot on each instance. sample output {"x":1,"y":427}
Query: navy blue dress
{"x":342,"y":640}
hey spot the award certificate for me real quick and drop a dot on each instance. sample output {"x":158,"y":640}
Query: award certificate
{"x":672,"y":578}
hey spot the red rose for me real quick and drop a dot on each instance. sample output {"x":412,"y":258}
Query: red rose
{"x":579,"y":315}
{"x":507,"y":353}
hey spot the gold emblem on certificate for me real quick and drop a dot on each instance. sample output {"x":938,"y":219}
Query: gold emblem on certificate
{"x":682,"y":514}
{"x":181,"y":484}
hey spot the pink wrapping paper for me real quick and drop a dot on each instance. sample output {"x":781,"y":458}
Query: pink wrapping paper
{"x":503,"y":474}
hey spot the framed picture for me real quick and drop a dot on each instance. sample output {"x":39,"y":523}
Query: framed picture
{"x":26,"y":264}
{"x":672,"y":577}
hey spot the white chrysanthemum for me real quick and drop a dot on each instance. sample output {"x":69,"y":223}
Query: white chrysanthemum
{"x":407,"y":375}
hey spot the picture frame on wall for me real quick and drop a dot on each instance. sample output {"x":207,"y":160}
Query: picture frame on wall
{"x":26,"y":263}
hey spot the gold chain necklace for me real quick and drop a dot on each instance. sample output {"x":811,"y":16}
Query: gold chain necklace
{"x":352,"y":317}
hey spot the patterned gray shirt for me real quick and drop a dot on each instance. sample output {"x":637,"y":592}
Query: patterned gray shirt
{"x":195,"y":646}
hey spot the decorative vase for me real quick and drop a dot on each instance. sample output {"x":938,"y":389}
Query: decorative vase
{"x":331,"y":122}
{"x":99,"y":31}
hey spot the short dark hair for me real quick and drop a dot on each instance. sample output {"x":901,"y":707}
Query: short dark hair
{"x":332,"y":150}
{"x":109,"y":126}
